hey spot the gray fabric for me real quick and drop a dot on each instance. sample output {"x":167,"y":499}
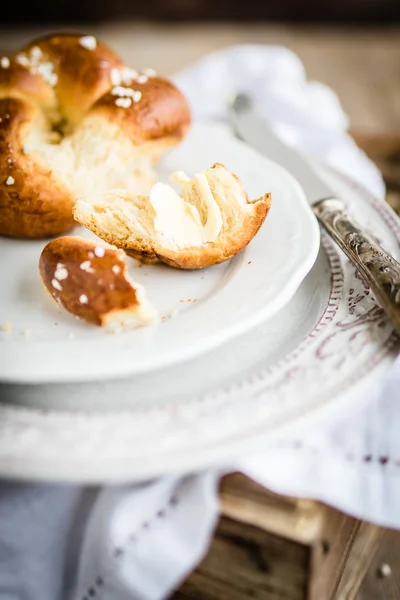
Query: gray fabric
{"x":40,"y":534}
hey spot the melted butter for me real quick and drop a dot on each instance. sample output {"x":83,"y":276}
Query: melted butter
{"x":175,"y":218}
{"x":179,"y":220}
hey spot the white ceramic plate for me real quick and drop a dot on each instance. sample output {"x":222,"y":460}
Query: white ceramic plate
{"x":320,"y":352}
{"x":211,"y":306}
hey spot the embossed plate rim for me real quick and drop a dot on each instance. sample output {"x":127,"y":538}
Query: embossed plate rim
{"x":211,"y":428}
{"x":256,"y":284}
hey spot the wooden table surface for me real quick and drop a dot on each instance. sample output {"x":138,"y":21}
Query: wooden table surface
{"x":361,"y":65}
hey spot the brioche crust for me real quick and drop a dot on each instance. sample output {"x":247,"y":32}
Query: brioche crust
{"x":112,"y":219}
{"x":61,"y":98}
{"x":33,"y":203}
{"x":90,"y":281}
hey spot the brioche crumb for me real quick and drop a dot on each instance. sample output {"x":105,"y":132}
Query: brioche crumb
{"x":115,"y":76}
{"x":89,"y":42}
{"x":46,"y":71}
{"x":124,"y":75}
{"x":35,"y":63}
{"x":122,"y":92}
{"x":99,"y":251}
{"x":127,"y":95}
{"x":150,"y":72}
{"x":128,"y":74}
{"x":56,"y":284}
{"x":170,"y":315}
{"x":60,"y":272}
{"x":36,"y":53}
{"x":123,"y":102}
{"x":22,"y":60}
{"x":86,"y":266}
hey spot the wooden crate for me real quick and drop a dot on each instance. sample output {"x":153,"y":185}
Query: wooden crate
{"x":270,"y":547}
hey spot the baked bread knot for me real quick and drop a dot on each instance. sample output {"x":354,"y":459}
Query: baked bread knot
{"x":74,"y":120}
{"x":209,"y":222}
{"x":90,"y":281}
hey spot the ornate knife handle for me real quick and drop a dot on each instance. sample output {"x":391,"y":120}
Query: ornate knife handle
{"x":380,"y":270}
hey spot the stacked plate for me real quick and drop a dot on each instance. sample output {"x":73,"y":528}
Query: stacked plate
{"x":282,"y":331}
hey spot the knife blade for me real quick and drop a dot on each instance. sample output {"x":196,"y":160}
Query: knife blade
{"x":253,"y":129}
{"x":378,"y":268}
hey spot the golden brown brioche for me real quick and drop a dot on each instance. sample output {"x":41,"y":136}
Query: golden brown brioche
{"x":211,"y":220}
{"x":74,"y":120}
{"x":90,"y":281}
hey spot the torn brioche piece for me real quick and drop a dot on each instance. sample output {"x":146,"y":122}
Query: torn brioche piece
{"x":90,"y":281}
{"x":209,"y":222}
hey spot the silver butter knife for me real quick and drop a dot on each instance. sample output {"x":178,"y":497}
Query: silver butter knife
{"x":380,"y":270}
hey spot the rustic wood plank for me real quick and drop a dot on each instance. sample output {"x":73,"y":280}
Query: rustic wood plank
{"x":357,"y":561}
{"x":248,"y":502}
{"x":340,"y":547}
{"x":272,"y":547}
{"x":330,"y":553}
{"x":248,"y":562}
{"x":376,"y":587}
{"x":384,"y":150}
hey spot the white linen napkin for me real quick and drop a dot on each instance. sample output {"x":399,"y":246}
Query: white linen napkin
{"x":305,"y":114}
{"x":140,"y":541}
{"x":331,"y":461}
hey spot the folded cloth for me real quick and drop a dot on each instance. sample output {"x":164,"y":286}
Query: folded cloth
{"x":140,"y":541}
{"x":305,"y":114}
{"x":352,"y":463}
